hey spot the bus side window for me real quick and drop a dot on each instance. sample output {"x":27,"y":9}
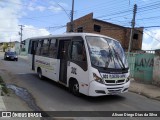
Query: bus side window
{"x":39,"y":47}
{"x":78,"y":51}
{"x":52,"y":48}
{"x":44,"y":51}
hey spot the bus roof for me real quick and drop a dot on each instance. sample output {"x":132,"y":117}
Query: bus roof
{"x":69,"y":35}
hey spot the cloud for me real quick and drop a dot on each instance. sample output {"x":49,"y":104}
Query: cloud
{"x":32,"y":6}
{"x":9,"y":19}
{"x":10,"y":12}
{"x":31,"y":31}
{"x":51,"y":6}
{"x":41,"y":8}
{"x":151,"y":40}
{"x":57,"y":7}
{"x":38,"y":8}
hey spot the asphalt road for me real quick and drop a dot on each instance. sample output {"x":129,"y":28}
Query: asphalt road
{"x":51,"y":96}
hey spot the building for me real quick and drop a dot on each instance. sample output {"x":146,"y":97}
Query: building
{"x":88,"y":24}
{"x":24,"y":47}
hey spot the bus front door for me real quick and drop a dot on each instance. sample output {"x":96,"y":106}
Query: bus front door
{"x":34,"y":44}
{"x":63,"y":55}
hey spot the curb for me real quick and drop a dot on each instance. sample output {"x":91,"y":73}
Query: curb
{"x":146,"y":95}
{"x":2,"y":106}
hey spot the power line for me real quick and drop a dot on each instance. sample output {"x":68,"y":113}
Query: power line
{"x":149,"y":18}
{"x":152,"y":36}
{"x":142,"y":9}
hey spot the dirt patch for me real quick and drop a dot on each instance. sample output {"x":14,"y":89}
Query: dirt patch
{"x":24,"y":95}
{"x":3,"y":88}
{"x":7,"y":76}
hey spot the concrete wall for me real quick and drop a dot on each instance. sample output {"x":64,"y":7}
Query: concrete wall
{"x":17,"y":47}
{"x":144,"y":67}
{"x":143,"y":70}
{"x":156,"y":70}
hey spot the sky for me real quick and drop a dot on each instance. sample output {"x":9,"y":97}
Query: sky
{"x":44,"y":17}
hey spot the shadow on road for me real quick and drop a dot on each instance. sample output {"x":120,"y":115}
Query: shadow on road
{"x":107,"y":98}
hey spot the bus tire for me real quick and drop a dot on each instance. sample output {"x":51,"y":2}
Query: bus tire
{"x":39,"y":72}
{"x":74,"y":87}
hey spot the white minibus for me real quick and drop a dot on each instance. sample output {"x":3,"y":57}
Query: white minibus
{"x":91,"y":64}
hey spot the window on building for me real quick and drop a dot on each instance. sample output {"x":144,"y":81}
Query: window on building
{"x":80,"y":29}
{"x":97,"y":28}
{"x":135,"y":36}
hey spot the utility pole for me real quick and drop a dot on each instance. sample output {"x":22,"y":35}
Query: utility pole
{"x":20,"y":33}
{"x":72,"y":12}
{"x":10,"y":43}
{"x":132,"y":29}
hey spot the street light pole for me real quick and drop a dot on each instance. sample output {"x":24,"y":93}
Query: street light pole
{"x":72,"y":12}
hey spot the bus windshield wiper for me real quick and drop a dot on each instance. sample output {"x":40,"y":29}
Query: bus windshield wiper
{"x":109,"y":59}
{"x":110,"y":55}
{"x":118,"y":58}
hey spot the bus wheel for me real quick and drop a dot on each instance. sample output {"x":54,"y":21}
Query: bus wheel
{"x":75,"y":88}
{"x":39,"y":72}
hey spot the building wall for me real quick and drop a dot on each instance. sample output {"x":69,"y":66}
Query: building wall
{"x":110,"y":30}
{"x":117,"y":32}
{"x":85,"y":22}
{"x":17,"y":47}
{"x":24,"y":50}
{"x":136,"y":43}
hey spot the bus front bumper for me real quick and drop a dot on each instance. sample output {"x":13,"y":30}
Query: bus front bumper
{"x":98,"y":89}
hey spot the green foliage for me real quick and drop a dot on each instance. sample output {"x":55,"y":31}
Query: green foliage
{"x":5,"y":46}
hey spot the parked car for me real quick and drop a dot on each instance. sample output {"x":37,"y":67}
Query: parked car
{"x":10,"y":56}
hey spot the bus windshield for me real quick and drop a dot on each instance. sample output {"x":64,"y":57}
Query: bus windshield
{"x":106,"y":53}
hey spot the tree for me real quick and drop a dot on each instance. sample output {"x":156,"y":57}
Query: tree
{"x":5,"y":46}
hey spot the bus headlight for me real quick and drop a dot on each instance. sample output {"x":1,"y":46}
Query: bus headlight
{"x":96,"y":78}
{"x":128,"y":78}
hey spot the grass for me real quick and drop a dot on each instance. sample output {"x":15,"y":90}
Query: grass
{"x":3,"y":87}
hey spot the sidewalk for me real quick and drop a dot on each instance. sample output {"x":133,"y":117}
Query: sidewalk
{"x":150,"y":91}
{"x":2,"y":106}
